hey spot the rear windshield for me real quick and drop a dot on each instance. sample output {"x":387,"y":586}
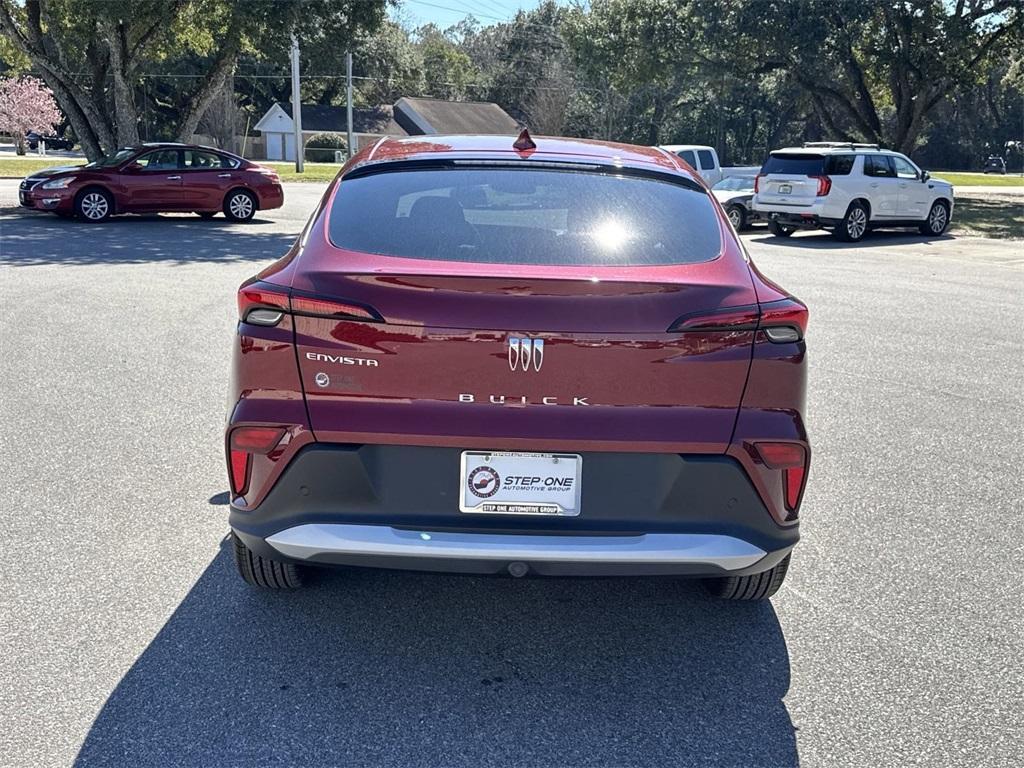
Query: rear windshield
{"x":800,"y":165}
{"x":504,"y":215}
{"x":809,"y":165}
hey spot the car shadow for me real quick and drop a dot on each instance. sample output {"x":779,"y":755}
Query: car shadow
{"x":33,"y":239}
{"x":403,"y":669}
{"x":822,"y":240}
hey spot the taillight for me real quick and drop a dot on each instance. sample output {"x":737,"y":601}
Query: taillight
{"x":261,"y":304}
{"x":742,"y":318}
{"x":784,"y":321}
{"x":270,"y":173}
{"x":242,"y":444}
{"x":757,"y":184}
{"x":265,"y":304}
{"x":824,"y":185}
{"x":791,"y":459}
{"x":310,"y":305}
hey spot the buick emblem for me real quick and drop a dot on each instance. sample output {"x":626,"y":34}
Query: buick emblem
{"x":524,"y":353}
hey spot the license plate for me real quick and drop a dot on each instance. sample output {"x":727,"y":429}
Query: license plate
{"x":520,"y":483}
{"x":785,"y":189}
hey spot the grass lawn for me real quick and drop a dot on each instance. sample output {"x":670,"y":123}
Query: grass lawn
{"x":19,"y":167}
{"x":959,"y":179}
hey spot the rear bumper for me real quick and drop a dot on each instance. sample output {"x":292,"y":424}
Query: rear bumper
{"x":271,"y":196}
{"x":651,"y":553}
{"x":397,"y":507}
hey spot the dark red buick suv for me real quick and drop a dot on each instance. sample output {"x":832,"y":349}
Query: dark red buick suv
{"x":495,"y":355}
{"x":153,"y":178}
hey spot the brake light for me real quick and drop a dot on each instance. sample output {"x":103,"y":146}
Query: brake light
{"x":270,"y":173}
{"x":256,"y":439}
{"x":240,"y":463}
{"x":784,"y":321}
{"x":791,"y":459}
{"x":264,"y":304}
{"x":261,"y":304}
{"x":742,"y":318}
{"x":757,"y":183}
{"x":308,"y":305}
{"x":824,"y":185}
{"x":242,"y":444}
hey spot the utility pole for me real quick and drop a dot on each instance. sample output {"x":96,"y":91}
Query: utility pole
{"x":297,"y":107}
{"x":348,"y":77}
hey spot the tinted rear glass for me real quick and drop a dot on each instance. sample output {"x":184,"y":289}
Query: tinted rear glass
{"x":800,"y":165}
{"x":524,"y":216}
{"x":839,"y":165}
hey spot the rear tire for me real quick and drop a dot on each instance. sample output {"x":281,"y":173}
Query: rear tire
{"x":737,"y":216}
{"x":778,"y":230}
{"x":239,"y":205}
{"x":759,"y":586}
{"x":937,"y":221}
{"x":854,"y":225}
{"x":264,"y":572}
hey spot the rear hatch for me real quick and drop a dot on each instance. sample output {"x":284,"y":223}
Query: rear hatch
{"x":523,"y":308}
{"x":790,"y":179}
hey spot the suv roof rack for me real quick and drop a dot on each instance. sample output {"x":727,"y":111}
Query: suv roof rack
{"x":840,"y":145}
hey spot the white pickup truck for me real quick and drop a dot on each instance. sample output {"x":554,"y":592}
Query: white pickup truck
{"x":704,"y":160}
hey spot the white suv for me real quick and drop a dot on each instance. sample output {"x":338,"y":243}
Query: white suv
{"x":849,"y":188}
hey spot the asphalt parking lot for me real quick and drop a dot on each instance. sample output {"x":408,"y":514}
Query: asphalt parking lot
{"x":129,"y":640}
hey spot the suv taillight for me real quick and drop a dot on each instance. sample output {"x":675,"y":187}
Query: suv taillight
{"x":783,"y":321}
{"x":824,"y":185}
{"x":265,"y":304}
{"x":791,"y":460}
{"x":757,"y":183}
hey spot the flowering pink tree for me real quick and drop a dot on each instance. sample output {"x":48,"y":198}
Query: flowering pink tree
{"x":26,"y":105}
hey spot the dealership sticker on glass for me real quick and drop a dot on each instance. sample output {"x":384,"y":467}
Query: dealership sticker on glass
{"x":521,"y":483}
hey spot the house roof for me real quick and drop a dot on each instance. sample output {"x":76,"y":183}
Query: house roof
{"x":328,"y":119}
{"x":414,"y":117}
{"x":432,"y":116}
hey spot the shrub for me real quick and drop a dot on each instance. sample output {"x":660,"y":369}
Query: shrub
{"x":321,"y":147}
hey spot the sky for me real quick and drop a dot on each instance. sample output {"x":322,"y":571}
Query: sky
{"x":446,"y":13}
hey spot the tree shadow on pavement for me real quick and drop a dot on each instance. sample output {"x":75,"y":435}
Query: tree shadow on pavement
{"x":35,"y":239}
{"x":391,"y":668}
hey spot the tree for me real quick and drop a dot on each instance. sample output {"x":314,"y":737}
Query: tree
{"x":91,"y":52}
{"x":874,"y":70}
{"x":448,"y":72}
{"x":26,"y":104}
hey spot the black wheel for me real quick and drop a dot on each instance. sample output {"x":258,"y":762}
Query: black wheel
{"x":94,"y":205}
{"x":206,"y":214}
{"x":778,"y":230}
{"x":759,"y":586}
{"x":737,"y":217}
{"x":854,"y":225}
{"x":937,"y":221}
{"x":262,"y":571}
{"x":239,"y":205}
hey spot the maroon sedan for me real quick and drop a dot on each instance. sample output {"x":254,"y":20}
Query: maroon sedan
{"x":156,"y":177}
{"x":490,"y":355}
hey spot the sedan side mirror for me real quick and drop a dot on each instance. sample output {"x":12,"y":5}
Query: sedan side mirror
{"x":925,"y":176}
{"x":132,"y":168}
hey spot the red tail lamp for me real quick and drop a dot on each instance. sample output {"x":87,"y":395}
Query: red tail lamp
{"x":791,"y":459}
{"x":244,"y":442}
